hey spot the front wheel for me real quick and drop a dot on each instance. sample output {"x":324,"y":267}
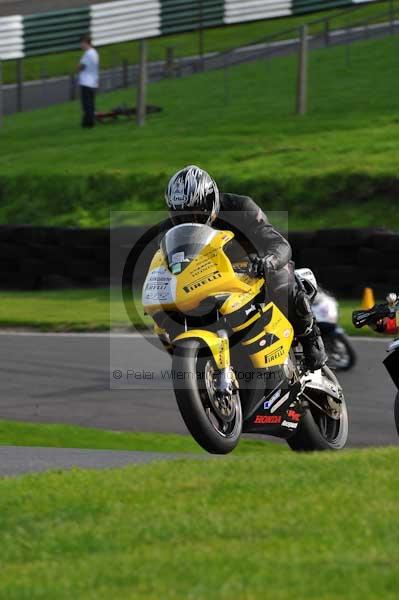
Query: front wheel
{"x":216,"y":425}
{"x":396,"y":410}
{"x":320,"y":429}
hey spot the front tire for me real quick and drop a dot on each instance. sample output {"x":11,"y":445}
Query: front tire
{"x":341,"y":355}
{"x":195,"y":401}
{"x":318,"y":431}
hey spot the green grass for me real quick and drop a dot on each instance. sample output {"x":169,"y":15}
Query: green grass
{"x":187,"y":44}
{"x":89,"y":310}
{"x":335,"y":167}
{"x":56,"y":310}
{"x":276,"y":526}
{"x":14,"y":433}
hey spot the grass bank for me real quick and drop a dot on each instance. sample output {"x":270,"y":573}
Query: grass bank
{"x":320,"y":527}
{"x":334,"y":167}
{"x":89,"y":310}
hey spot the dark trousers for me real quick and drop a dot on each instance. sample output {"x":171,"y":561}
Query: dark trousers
{"x":283,"y":291}
{"x":87,"y":96}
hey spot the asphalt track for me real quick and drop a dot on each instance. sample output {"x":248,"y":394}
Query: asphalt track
{"x":67,"y":379}
{"x":15,"y":460}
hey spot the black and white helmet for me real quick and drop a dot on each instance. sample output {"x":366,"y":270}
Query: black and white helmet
{"x":193,"y":191}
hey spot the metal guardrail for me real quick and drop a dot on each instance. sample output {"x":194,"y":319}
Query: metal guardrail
{"x":11,"y":38}
{"x":124,"y":20}
{"x":55,"y":31}
{"x":178,"y":16}
{"x":116,"y":22}
{"x":239,"y":11}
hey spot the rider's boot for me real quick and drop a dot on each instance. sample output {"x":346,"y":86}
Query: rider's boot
{"x":313,"y":348}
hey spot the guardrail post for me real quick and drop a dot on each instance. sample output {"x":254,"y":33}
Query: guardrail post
{"x":125,"y":73}
{"x":392,"y":15}
{"x":72,"y":86}
{"x":141,"y":108}
{"x":302,"y":84}
{"x":170,"y":61}
{"x":327,"y":32}
{"x":226,"y":86}
{"x":43,"y":77}
{"x":1,"y":94}
{"x":201,"y":41}
{"x":348,"y":48}
{"x":20,"y":83}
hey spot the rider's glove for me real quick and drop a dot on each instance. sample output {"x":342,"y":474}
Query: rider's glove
{"x":259,"y":266}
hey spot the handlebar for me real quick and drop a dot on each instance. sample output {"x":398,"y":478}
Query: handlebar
{"x":241,"y":270}
{"x":360,"y":318}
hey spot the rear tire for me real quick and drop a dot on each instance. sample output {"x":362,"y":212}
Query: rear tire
{"x":193,"y":400}
{"x":317,"y":431}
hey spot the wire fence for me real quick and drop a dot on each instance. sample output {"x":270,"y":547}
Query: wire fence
{"x":339,"y":29}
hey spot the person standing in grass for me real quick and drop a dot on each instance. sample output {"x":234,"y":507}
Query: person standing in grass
{"x":88,"y":70}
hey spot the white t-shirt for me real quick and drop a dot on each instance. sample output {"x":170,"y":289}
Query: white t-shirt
{"x":89,"y":76}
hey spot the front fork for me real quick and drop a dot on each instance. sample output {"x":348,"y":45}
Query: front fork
{"x":218,"y":343}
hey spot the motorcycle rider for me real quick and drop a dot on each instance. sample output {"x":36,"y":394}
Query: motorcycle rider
{"x":193,"y":195}
{"x":389,"y":325}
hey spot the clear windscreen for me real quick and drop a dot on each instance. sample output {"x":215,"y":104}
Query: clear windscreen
{"x":183,"y":243}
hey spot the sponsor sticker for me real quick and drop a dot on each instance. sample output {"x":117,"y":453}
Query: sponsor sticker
{"x":274,"y":355}
{"x":200,"y":282}
{"x":294,"y":416}
{"x":159,"y":287}
{"x":250,"y":310}
{"x":289,"y":425}
{"x":178,"y":257}
{"x":267,"y":420}
{"x":268,"y":403}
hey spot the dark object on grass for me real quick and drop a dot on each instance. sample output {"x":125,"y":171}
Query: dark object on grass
{"x":123,"y":111}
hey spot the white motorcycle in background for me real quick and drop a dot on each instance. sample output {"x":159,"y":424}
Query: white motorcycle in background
{"x":341,"y":355}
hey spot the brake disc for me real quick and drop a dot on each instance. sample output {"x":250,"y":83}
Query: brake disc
{"x":224,"y":405}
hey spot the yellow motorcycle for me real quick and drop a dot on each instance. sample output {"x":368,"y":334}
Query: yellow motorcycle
{"x":236,"y":364}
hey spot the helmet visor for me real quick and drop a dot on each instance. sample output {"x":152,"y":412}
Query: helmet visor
{"x":179,"y":217}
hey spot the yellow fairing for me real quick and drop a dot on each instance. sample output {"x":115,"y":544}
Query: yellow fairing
{"x":276,"y":353}
{"x":219,"y":346}
{"x":239,"y":299}
{"x":209,"y":274}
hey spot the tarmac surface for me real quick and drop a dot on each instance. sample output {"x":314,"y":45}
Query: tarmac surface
{"x":17,"y":460}
{"x":122,"y":383}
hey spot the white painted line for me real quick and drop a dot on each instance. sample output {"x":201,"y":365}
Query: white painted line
{"x":85,"y":334}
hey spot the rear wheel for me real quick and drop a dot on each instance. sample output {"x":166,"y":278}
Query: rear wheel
{"x":216,"y":424}
{"x":324,"y":425}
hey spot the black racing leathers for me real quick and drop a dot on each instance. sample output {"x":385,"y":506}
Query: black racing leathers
{"x":251,"y":228}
